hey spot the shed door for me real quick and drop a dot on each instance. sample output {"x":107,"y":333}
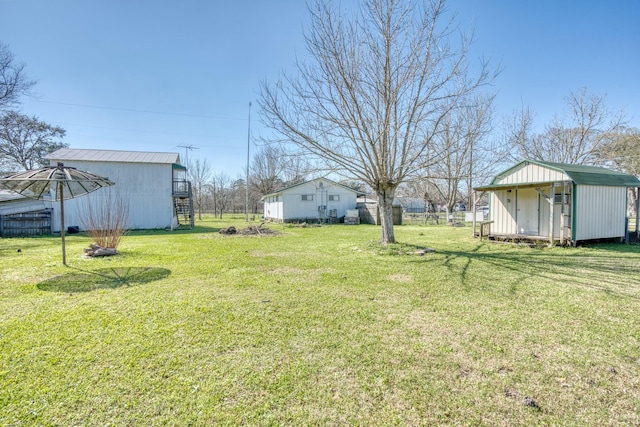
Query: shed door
{"x":528,"y":212}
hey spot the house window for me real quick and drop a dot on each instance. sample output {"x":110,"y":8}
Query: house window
{"x":307,"y":197}
{"x":334,"y":197}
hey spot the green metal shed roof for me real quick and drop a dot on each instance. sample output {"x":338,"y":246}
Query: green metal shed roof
{"x":579,"y":174}
{"x":592,"y":175}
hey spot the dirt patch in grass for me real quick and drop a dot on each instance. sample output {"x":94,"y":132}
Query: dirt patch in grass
{"x":252,"y":230}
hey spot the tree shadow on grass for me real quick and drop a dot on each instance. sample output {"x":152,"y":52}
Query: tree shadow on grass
{"x":608,"y":270}
{"x":104,"y":278}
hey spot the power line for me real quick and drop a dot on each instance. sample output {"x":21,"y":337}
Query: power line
{"x":147,"y":131}
{"x":131,"y":110}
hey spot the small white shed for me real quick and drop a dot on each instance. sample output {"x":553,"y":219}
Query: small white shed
{"x":153,"y":184}
{"x":317,"y":200}
{"x":558,"y":202}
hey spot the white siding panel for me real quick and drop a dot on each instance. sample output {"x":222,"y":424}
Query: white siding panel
{"x":147,"y":188}
{"x":528,"y":212}
{"x":273,"y":208}
{"x":532,"y":173}
{"x":295,"y":207}
{"x":600,"y":212}
{"x":503,"y":212}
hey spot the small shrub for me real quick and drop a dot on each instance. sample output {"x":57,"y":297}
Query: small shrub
{"x":106,"y":219}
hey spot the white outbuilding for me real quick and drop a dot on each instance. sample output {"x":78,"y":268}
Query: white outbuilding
{"x":153,"y":185}
{"x":559,"y":203}
{"x":320,"y":200}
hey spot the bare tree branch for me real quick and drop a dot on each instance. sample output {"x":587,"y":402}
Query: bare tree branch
{"x":371,"y":93}
{"x":574,"y":139}
{"x":14,"y":82}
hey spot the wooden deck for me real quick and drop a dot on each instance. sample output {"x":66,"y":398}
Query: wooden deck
{"x":525,"y":238}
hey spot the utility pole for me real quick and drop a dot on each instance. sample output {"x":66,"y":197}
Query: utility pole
{"x":246,"y":184}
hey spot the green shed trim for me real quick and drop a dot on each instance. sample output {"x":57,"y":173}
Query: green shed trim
{"x":574,"y":214}
{"x":579,"y":174}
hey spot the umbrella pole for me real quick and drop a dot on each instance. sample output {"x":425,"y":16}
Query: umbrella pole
{"x":60,"y":191}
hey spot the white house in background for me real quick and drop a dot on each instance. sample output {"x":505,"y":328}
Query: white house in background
{"x":153,"y":184}
{"x":317,"y":200}
{"x":559,"y":202}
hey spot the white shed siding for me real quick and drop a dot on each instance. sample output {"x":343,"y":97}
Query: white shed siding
{"x":532,"y":173}
{"x":600,"y":212}
{"x":544,"y":215}
{"x":586,"y":203}
{"x":527,"y":211}
{"x":503,"y":212}
{"x":147,"y":188}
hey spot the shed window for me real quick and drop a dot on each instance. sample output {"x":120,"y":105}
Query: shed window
{"x":307,"y":197}
{"x":334,"y":197}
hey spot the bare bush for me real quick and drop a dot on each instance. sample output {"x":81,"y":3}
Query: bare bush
{"x":105,"y":219}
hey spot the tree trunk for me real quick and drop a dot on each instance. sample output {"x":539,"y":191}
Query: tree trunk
{"x":632,"y":202}
{"x":385,"y":207}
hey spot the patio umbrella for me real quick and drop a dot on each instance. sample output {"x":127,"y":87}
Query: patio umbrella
{"x":55,"y":183}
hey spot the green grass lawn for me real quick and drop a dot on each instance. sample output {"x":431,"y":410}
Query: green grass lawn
{"x":318,"y":326}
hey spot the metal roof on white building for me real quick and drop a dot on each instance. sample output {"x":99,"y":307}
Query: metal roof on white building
{"x":6,"y":195}
{"x":89,"y":155}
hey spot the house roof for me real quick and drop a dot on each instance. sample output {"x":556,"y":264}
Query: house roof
{"x":333,"y":183}
{"x":579,"y":174}
{"x":89,"y":155}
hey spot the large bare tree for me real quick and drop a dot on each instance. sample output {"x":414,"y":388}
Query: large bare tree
{"x":274,"y":168}
{"x":267,"y":170}
{"x":622,"y":152}
{"x":369,"y":95}
{"x":574,"y":138}
{"x":14,"y":82}
{"x":222,"y":193}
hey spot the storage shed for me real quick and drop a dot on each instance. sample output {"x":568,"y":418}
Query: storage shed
{"x":370,"y":212}
{"x":558,"y":202}
{"x":320,"y":200}
{"x":152,"y":184}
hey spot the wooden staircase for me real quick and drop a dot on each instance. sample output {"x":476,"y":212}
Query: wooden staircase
{"x":183,"y":203}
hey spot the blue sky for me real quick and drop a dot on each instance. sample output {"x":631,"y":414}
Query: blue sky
{"x":156,"y":75}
